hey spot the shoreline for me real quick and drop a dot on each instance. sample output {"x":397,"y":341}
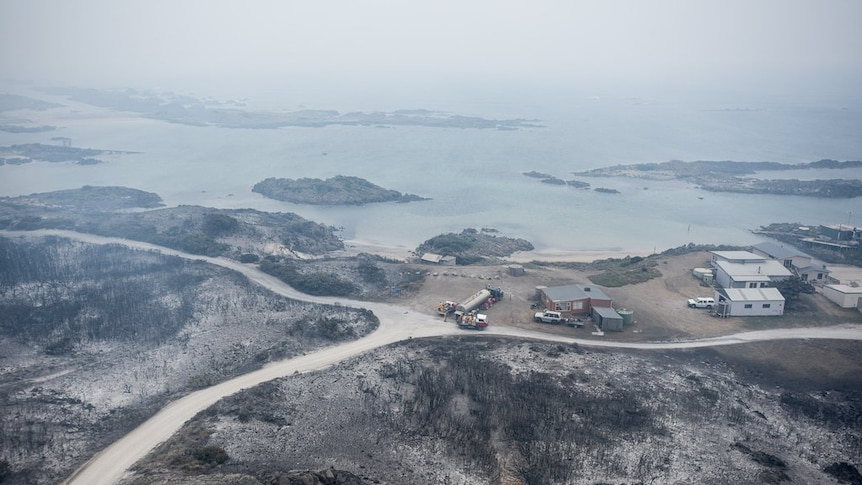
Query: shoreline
{"x":353,"y":247}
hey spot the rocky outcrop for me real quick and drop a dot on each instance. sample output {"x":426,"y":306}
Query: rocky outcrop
{"x":338,"y":190}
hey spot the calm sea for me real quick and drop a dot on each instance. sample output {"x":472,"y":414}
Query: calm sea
{"x":475,"y":176}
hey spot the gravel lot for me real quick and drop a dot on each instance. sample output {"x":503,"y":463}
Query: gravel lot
{"x":659,"y":305}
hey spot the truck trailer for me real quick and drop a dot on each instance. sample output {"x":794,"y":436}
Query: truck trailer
{"x":475,"y":301}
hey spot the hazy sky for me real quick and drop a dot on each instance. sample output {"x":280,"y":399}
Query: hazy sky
{"x":131,"y":42}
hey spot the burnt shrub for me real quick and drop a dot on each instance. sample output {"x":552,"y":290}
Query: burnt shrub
{"x":844,"y":473}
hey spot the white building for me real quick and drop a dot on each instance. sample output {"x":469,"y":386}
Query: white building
{"x":749,"y":274}
{"x":803,"y":265}
{"x":748,"y":302}
{"x":845,"y":296}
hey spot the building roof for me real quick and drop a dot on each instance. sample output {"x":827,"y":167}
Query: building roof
{"x":754,"y":271}
{"x":574,"y":293}
{"x":607,"y":312}
{"x":846,"y":289}
{"x":738,"y":255}
{"x":815,"y":266}
{"x":432,"y":258}
{"x":752,"y":294}
{"x":779,"y":251}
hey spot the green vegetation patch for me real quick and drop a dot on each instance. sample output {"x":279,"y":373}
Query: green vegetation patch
{"x":338,"y":190}
{"x":473,"y":246}
{"x":627,"y":271}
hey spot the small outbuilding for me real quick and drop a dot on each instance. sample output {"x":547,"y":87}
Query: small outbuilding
{"x":608,"y":319}
{"x":432,"y":258}
{"x":845,"y":296}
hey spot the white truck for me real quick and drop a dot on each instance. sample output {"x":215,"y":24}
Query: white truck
{"x":549,"y":316}
{"x":701,"y":302}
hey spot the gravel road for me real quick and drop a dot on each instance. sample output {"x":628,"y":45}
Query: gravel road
{"x":396,"y":323}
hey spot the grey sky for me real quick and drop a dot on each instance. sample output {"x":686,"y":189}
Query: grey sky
{"x":135,"y":42}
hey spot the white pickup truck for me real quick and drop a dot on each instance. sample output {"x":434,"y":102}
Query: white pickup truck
{"x":549,"y":317}
{"x":701,"y":302}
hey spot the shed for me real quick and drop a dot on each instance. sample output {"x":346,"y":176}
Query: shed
{"x":516,"y":270}
{"x":608,"y":319}
{"x":433,"y":258}
{"x":845,"y":296}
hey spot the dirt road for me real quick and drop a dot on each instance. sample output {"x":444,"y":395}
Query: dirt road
{"x":396,"y":323}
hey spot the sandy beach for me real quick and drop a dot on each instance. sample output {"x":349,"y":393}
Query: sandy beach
{"x":357,"y":246}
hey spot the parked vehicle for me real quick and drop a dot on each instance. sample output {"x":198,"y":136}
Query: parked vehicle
{"x":474,"y":320}
{"x":446,"y":307}
{"x":467,"y":314}
{"x":549,"y":317}
{"x":701,"y":302}
{"x":475,"y":301}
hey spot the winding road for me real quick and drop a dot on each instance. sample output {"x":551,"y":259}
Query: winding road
{"x":396,"y":324}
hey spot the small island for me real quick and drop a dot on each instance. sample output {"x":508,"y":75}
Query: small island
{"x":546,"y":178}
{"x":338,"y":190}
{"x":40,"y":152}
{"x":473,"y":246}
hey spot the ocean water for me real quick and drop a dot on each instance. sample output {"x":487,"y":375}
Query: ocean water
{"x":474,"y":177}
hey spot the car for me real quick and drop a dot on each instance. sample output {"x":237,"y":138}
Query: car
{"x":549,"y":317}
{"x":701,"y":302}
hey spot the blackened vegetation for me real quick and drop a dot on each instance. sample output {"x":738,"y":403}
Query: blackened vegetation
{"x":479,"y":406}
{"x":194,"y":229}
{"x":845,"y":473}
{"x":95,"y":339}
{"x":365,"y":276}
{"x":59,"y":296}
{"x":314,"y":283}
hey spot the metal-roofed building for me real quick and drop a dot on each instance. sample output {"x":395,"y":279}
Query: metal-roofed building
{"x":608,"y":319}
{"x":757,"y":274}
{"x":748,"y":302}
{"x":845,"y":296}
{"x":801,"y":264}
{"x":736,"y":257}
{"x":789,"y":256}
{"x":573,"y":299}
{"x":438,"y":259}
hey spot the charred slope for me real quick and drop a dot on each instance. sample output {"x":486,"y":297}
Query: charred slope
{"x":497,"y":411}
{"x":95,"y":339}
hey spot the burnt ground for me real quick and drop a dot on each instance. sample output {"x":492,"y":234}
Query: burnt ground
{"x":468,"y":410}
{"x":489,"y":410}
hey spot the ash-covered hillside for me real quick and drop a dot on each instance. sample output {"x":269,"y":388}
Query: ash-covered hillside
{"x":95,"y":339}
{"x":482,"y":410}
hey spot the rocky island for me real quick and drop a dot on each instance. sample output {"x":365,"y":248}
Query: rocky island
{"x":473,"y":246}
{"x":547,"y":178}
{"x":40,"y":152}
{"x":730,"y":176}
{"x":338,"y":190}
